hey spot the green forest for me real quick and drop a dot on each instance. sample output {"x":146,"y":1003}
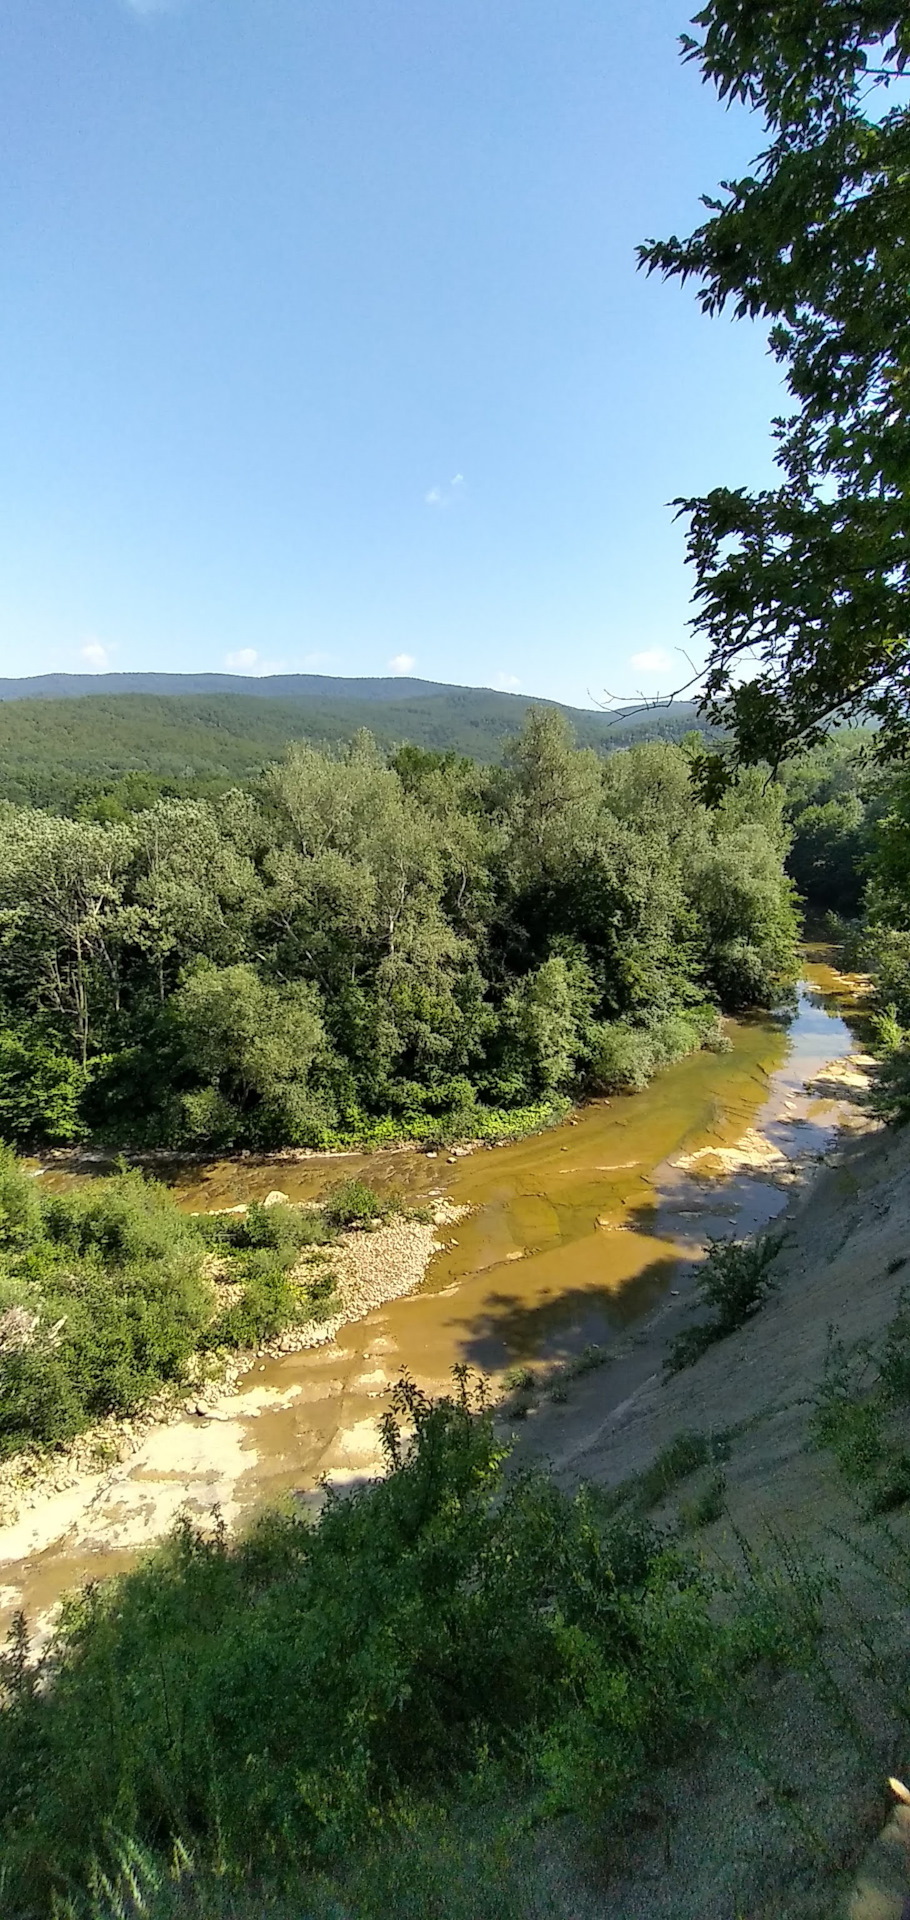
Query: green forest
{"x":359,"y":947}
{"x":67,"y":753}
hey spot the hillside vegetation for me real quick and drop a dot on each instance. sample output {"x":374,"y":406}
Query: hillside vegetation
{"x":211,"y":730}
{"x":285,"y":1724}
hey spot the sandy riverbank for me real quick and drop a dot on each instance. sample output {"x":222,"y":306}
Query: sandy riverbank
{"x":370,"y":1267}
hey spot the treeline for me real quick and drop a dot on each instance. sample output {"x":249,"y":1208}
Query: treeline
{"x":357,"y":947}
{"x":66,"y":753}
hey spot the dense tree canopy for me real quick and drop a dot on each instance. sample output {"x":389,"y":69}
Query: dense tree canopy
{"x":419,"y":940}
{"x":806,"y":586}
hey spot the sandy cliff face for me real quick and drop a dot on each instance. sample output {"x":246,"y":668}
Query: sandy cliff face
{"x":786,"y":1823}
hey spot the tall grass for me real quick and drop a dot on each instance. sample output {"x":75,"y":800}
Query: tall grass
{"x":860,"y":1414}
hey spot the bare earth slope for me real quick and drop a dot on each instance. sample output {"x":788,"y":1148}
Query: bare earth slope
{"x":782,"y":1820}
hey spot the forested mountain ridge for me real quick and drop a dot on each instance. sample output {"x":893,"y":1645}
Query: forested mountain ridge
{"x":54,"y":751}
{"x":384,"y":689}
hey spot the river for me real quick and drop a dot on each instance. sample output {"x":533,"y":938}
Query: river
{"x":575,"y":1235}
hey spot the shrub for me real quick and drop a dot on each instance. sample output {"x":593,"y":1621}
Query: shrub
{"x":40,"y":1091}
{"x":684,"y":1455}
{"x":706,"y":1506}
{"x":107,"y":1338}
{"x":894,"y":1371}
{"x":20,"y":1202}
{"x":120,"y":1220}
{"x":625,"y":1057}
{"x":855,"y":1415}
{"x":735,"y":1280}
{"x":622,"y":1059}
{"x":352,"y":1204}
{"x":891,"y":1093}
{"x":104,"y":1297}
{"x":285,"y":1229}
{"x":268,"y":1304}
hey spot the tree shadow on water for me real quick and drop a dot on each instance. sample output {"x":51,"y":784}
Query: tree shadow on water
{"x":560,"y":1327}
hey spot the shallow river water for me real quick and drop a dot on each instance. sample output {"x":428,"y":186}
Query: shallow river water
{"x":574,"y":1235}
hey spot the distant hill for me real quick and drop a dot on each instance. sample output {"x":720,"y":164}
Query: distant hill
{"x":273,"y":686}
{"x":316,"y":689}
{"x":61,"y":734}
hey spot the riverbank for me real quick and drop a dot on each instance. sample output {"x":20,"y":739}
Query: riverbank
{"x":782,"y":1820}
{"x":567,"y":1240}
{"x":454,"y":1133}
{"x":785,"y":1181}
{"x":369,"y":1267}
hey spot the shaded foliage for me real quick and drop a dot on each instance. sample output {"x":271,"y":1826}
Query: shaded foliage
{"x":810,"y":580}
{"x":734,"y":1281}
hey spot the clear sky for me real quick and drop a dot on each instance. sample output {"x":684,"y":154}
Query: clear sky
{"x":322,"y":346}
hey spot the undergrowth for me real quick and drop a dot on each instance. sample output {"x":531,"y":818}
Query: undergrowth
{"x":860,"y":1414}
{"x":279,"y":1707}
{"x":686,"y":1454}
{"x":494,"y":1125}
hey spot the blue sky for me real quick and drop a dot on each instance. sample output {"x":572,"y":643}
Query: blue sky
{"x":322,"y":346}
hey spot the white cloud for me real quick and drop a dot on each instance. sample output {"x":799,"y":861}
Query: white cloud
{"x":507,"y":681}
{"x":96,"y":656}
{"x":317,"y":660}
{"x":446,"y":496}
{"x":247,"y":660}
{"x":402,"y":663}
{"x":655,"y":660}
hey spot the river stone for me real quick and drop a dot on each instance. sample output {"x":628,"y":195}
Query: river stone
{"x":276,"y":1198}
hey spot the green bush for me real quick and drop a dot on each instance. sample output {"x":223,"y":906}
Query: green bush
{"x":684,"y":1455}
{"x":41,"y":1089}
{"x":268,"y":1304}
{"x":20,"y":1203}
{"x":622,"y":1059}
{"x":353,"y":1203}
{"x":272,"y":1702}
{"x":120,"y":1220}
{"x":625,"y":1057}
{"x":891,"y":1092}
{"x":735,"y":1280}
{"x":860,"y":1412}
{"x":106,"y":1339}
{"x":284,"y":1229}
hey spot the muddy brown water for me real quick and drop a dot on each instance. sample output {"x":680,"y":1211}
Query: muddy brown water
{"x":574,"y":1236}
